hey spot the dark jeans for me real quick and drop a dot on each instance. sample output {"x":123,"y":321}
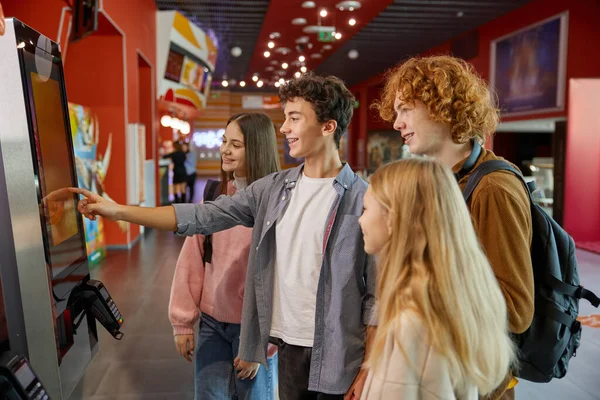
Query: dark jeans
{"x":294,"y":369}
{"x":191,"y":184}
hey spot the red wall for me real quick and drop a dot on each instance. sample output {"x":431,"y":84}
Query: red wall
{"x":582,"y":162}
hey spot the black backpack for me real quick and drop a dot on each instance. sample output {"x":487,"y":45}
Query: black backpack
{"x":553,"y":337}
{"x":212,"y":190}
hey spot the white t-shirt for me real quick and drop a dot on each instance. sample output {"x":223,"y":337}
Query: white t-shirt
{"x":298,"y":258}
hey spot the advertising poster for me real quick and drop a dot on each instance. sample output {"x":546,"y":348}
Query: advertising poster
{"x":528,"y":68}
{"x":90,"y":172}
{"x":383,"y":147}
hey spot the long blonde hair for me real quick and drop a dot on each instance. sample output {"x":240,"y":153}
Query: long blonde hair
{"x":433,"y":264}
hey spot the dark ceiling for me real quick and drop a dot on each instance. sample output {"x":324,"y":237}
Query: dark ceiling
{"x":386,"y":31}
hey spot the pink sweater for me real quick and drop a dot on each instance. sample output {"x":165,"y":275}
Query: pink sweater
{"x":217,"y":291}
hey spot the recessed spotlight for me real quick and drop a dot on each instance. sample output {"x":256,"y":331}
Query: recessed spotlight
{"x":351,"y":9}
{"x":284,"y":65}
{"x":255,"y":78}
{"x":225,"y":83}
{"x":316,"y":55}
{"x":309,"y":4}
{"x":271,"y":45}
{"x":242,"y":83}
{"x":303,"y":69}
{"x":301,"y":58}
{"x":236,"y":51}
{"x":341,"y":8}
{"x":270,"y":68}
{"x":352,"y":22}
{"x":282,"y":50}
{"x":338,"y":35}
{"x":327,"y":47}
{"x":267,"y":54}
{"x":460,"y":14}
{"x":281,"y":80}
{"x":259,"y":83}
{"x":274,"y":62}
{"x":275,"y":35}
{"x":353,"y":54}
{"x":323,"y":13}
{"x":299,"y":21}
{"x":297,"y":74}
{"x":302,"y":39}
{"x":277,"y":84}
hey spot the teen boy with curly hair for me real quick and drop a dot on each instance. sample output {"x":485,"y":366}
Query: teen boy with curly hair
{"x":443,"y":110}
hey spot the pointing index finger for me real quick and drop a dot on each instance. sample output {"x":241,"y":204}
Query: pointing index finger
{"x":82,"y":191}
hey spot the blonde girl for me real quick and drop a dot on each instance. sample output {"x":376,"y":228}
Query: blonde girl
{"x":443,"y":328}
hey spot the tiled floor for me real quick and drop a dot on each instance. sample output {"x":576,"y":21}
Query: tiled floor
{"x":145,"y":365}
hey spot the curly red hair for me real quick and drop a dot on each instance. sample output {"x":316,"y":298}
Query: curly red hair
{"x":453,"y":93}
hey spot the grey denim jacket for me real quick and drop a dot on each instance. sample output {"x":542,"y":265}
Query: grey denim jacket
{"x":346,"y":290}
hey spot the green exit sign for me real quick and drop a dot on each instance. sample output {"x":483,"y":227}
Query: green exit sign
{"x":326,"y":37}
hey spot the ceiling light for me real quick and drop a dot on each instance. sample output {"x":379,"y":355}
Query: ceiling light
{"x":301,"y":58}
{"x":236,"y":51}
{"x":352,"y":22}
{"x":460,"y":14}
{"x":281,"y":80}
{"x":271,"y":45}
{"x":316,"y":55}
{"x":353,"y":54}
{"x":299,"y":21}
{"x":274,"y":62}
{"x":270,"y":68}
{"x":297,"y":74}
{"x":275,"y":35}
{"x":267,"y":54}
{"x":303,"y":69}
{"x":242,"y":83}
{"x":232,"y":82}
{"x":338,"y":35}
{"x":323,"y":13}
{"x":277,"y":84}
{"x":327,"y":47}
{"x":351,"y":9}
{"x":341,"y":8}
{"x":225,"y":83}
{"x":165,"y":120}
{"x":255,"y":78}
{"x":303,"y":39}
{"x":284,"y":65}
{"x":282,"y":50}
{"x":259,"y":83}
{"x":309,"y":4}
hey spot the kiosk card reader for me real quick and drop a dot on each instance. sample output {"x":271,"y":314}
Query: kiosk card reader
{"x":18,"y":381}
{"x":94,"y":298}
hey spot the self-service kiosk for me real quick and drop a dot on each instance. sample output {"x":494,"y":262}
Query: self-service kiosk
{"x":52,"y":305}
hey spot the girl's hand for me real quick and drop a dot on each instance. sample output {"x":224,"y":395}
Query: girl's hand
{"x":185,"y":346}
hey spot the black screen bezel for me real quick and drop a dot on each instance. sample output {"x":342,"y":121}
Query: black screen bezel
{"x":28,"y":38}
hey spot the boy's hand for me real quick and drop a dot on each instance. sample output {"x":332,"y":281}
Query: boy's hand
{"x":245,"y":369}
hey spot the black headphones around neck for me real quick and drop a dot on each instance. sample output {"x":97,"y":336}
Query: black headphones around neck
{"x":470,"y":161}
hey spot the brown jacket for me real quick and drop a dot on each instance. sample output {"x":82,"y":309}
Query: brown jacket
{"x":501,"y":214}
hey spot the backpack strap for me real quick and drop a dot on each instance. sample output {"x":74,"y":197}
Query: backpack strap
{"x":488,"y":167}
{"x":211,"y":190}
{"x":579,"y":292}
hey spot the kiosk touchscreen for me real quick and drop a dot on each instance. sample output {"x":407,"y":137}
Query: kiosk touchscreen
{"x":46,"y":240}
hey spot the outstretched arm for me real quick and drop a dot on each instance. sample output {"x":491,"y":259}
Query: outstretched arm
{"x":94,"y":205}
